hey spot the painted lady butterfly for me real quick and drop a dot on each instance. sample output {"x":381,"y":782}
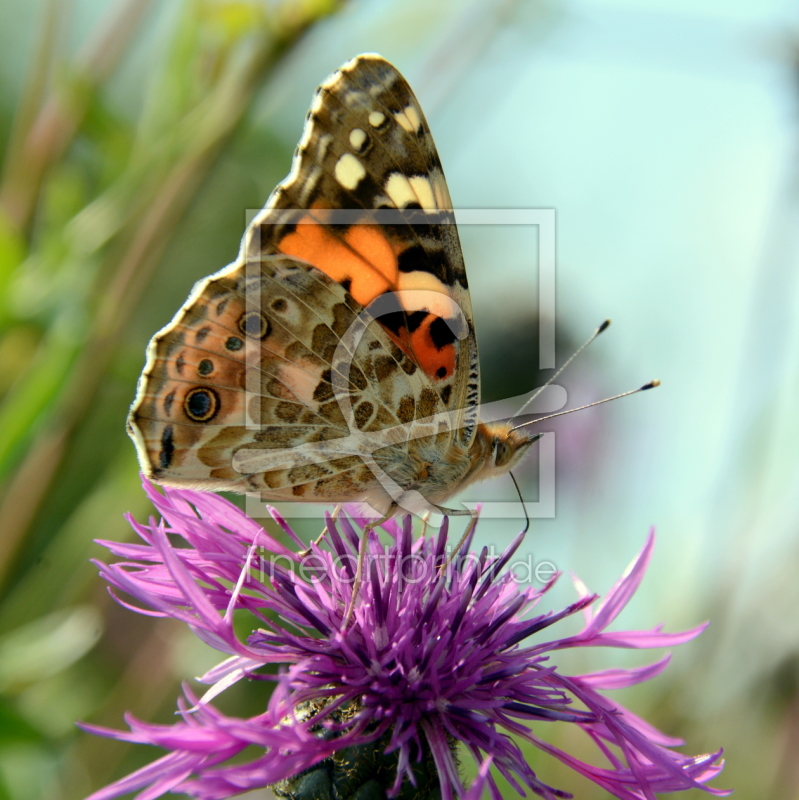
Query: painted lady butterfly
{"x":335,"y":360}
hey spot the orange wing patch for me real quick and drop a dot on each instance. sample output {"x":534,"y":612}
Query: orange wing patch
{"x":363,"y":258}
{"x":435,"y":358}
{"x":366,"y":261}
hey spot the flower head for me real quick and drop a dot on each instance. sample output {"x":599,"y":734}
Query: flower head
{"x":437,"y":652}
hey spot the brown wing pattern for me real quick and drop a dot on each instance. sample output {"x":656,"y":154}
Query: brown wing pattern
{"x":275,"y":377}
{"x":261,"y":363}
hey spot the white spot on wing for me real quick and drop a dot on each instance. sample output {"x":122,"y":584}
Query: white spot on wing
{"x":357,"y":138}
{"x":409,"y":119}
{"x":421,"y":291}
{"x":417,"y":189}
{"x":424,"y":192}
{"x":318,"y":103}
{"x":399,"y":189}
{"x":349,"y":171}
{"x":312,"y":177}
{"x":306,"y":134}
{"x":412,"y":113}
{"x":376,"y":118}
{"x":324,"y":142}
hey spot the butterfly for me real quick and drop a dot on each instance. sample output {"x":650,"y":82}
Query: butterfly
{"x":335,"y":360}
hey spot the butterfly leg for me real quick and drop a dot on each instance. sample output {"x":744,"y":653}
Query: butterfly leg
{"x":318,"y":540}
{"x":425,"y":522}
{"x":467,"y":533}
{"x":356,"y":585}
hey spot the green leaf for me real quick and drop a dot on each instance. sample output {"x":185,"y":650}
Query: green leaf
{"x":12,"y":254}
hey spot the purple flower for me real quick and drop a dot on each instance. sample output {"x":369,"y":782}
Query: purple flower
{"x":434,"y":653}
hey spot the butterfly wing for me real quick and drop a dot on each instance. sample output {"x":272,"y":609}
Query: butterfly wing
{"x":260,"y":363}
{"x":366,"y":202}
{"x":273,"y":377}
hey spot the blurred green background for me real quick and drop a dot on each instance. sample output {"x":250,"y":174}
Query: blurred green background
{"x":136,"y":135}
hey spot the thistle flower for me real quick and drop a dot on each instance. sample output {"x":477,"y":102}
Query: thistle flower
{"x":436,"y":654}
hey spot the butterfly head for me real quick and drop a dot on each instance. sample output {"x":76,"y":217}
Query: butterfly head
{"x":501,"y":448}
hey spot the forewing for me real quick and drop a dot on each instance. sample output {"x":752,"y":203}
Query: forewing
{"x":366,"y":202}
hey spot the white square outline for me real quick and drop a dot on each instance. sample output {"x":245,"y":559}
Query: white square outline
{"x":545,"y":220}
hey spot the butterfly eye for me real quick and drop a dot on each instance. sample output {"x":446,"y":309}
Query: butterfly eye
{"x":503,"y":453}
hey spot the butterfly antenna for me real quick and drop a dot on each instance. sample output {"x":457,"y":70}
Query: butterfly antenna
{"x":645,"y":387}
{"x":603,"y":327}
